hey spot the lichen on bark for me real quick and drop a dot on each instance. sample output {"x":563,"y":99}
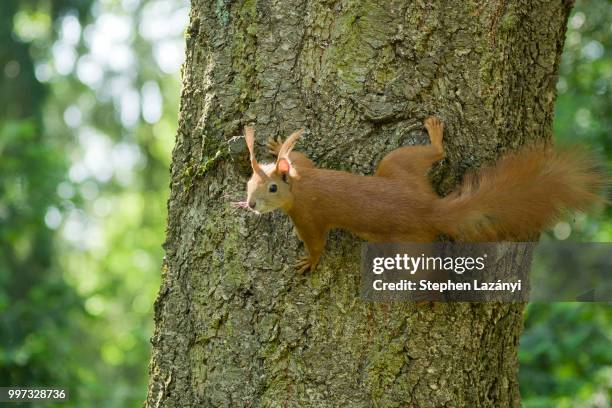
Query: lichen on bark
{"x":234,"y":325}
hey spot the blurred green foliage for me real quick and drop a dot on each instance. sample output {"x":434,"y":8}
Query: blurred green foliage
{"x":88,"y":109}
{"x":566,"y":349}
{"x":35,"y":347}
{"x":88,"y":112}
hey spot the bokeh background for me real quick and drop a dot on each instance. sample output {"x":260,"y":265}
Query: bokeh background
{"x":89,"y":93}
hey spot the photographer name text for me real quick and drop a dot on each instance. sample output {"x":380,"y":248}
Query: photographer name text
{"x":448,"y":286}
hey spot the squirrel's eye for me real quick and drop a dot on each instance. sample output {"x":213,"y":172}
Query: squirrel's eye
{"x":273,"y":188}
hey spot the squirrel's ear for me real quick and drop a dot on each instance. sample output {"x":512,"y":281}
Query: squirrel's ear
{"x":283,"y":166}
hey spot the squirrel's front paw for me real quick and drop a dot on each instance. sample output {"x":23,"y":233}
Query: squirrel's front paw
{"x":304,"y":265}
{"x":274,"y":145}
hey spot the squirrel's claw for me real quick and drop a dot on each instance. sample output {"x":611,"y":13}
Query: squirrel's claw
{"x":274,"y":145}
{"x":303,"y":265}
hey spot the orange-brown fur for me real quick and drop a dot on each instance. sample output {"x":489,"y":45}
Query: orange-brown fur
{"x":522,"y":194}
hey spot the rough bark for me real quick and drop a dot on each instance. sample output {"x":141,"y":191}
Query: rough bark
{"x":234,"y":325}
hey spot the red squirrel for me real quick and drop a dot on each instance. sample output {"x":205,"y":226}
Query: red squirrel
{"x":524,"y":193}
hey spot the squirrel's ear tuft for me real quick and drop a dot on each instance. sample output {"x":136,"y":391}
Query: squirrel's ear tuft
{"x":249,"y":136}
{"x":283,"y":165}
{"x":289,"y":143}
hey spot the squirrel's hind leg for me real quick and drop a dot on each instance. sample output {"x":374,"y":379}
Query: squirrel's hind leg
{"x":435,"y":130}
{"x":413,"y":162}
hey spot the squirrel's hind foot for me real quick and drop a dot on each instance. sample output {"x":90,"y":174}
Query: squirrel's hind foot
{"x":435,"y":129}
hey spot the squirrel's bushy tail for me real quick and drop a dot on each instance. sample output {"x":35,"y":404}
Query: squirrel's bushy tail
{"x":521,"y":195}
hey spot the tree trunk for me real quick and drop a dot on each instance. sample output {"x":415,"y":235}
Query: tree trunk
{"x":235,"y":326}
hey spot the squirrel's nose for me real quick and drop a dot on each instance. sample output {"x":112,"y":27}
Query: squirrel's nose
{"x":252,"y":204}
